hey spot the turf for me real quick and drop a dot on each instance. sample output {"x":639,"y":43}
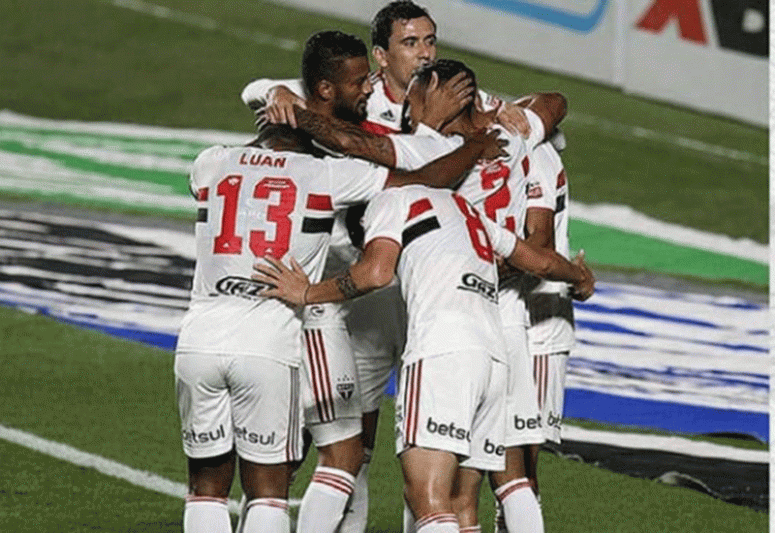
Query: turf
{"x":115,"y":398}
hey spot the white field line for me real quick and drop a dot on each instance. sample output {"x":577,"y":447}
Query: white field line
{"x":616,"y":216}
{"x":205,"y":23}
{"x":627,"y":219}
{"x":669,"y":444}
{"x":139,"y":478}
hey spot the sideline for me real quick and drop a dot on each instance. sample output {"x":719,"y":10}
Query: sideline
{"x":139,"y":478}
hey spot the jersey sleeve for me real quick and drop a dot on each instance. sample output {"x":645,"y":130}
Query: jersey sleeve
{"x":354,"y":181}
{"x":542,"y":178}
{"x":426,"y":144}
{"x":537,"y":130}
{"x":384,"y":217}
{"x":503,"y":241}
{"x":204,"y":167}
{"x":258,"y":90}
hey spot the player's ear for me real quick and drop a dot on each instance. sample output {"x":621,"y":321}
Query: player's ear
{"x":326,"y":90}
{"x":380,"y":56}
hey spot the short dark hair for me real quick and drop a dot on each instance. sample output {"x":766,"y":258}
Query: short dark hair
{"x":382,"y":24}
{"x":445,"y":69}
{"x":323,"y":56}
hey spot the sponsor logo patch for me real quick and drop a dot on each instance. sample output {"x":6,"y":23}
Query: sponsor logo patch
{"x":448,"y":430}
{"x":240,"y":287}
{"x":474,"y":283}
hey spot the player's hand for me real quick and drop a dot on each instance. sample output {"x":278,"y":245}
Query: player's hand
{"x":513,"y":118}
{"x":585,"y":288}
{"x":444,"y":101}
{"x":279,"y":105}
{"x":290,"y":284}
{"x":491,"y":145}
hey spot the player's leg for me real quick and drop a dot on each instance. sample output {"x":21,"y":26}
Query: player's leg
{"x":517,"y":503}
{"x":487,"y":448}
{"x":332,"y":410}
{"x":204,"y":406}
{"x":549,"y":371}
{"x":267,"y":428}
{"x":377,"y":325}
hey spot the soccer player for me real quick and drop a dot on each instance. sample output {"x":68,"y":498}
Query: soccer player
{"x":498,"y":189}
{"x":551,"y":327}
{"x":238,"y":354}
{"x":443,"y":253}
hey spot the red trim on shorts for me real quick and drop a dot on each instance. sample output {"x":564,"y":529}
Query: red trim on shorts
{"x":321,"y":382}
{"x":561,"y":179}
{"x":292,"y":438}
{"x":541,"y":377}
{"x":202,"y":194}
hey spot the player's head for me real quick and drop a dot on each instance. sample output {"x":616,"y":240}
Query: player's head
{"x":284,"y":138}
{"x":335,"y":70}
{"x":403,"y":37}
{"x":445,"y":69}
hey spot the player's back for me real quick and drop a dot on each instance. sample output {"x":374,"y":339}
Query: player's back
{"x":252,"y":203}
{"x":446,"y":269}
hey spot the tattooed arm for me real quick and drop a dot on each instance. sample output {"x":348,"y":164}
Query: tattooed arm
{"x":347,"y":138}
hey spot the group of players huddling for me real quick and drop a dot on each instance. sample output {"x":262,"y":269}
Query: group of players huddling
{"x":398,"y":219}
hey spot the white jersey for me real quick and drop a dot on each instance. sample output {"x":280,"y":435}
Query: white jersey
{"x":446,"y":269}
{"x":548,"y":189}
{"x":252,"y":203}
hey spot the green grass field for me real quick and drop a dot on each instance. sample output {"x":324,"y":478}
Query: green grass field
{"x":94,"y":60}
{"x":115,"y":399}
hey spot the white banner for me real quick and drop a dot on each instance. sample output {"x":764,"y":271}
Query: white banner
{"x":711,"y":55}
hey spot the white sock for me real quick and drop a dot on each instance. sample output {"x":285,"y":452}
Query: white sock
{"x":356,"y":515}
{"x":500,"y":519}
{"x":409,"y":526}
{"x":471,"y":529}
{"x":520,"y":507}
{"x":205,"y":514}
{"x":324,"y":501}
{"x":267,"y":514}
{"x":438,"y":523}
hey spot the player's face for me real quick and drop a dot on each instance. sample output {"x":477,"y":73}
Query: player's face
{"x":353,"y":90}
{"x":412,"y":44}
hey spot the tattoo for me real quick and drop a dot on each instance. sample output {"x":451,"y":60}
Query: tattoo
{"x":346,"y":137}
{"x":347,"y":286}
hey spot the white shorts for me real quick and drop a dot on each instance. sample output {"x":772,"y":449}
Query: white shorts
{"x":524,"y":423}
{"x":454,"y":402}
{"x":247,"y":402}
{"x":331,"y":395}
{"x":377,"y":324}
{"x":549,"y":375}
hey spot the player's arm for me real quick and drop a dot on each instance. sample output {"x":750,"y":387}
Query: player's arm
{"x":373,"y":270}
{"x":449,"y":170}
{"x":273,"y":100}
{"x":548,"y":264}
{"x":551,"y":108}
{"x":539,"y":227}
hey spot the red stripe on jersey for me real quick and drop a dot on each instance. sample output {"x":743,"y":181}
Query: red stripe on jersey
{"x":525,"y":165}
{"x":377,"y":129}
{"x":561,"y":179}
{"x":319,"y":202}
{"x":418,"y":208}
{"x":202,"y":194}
